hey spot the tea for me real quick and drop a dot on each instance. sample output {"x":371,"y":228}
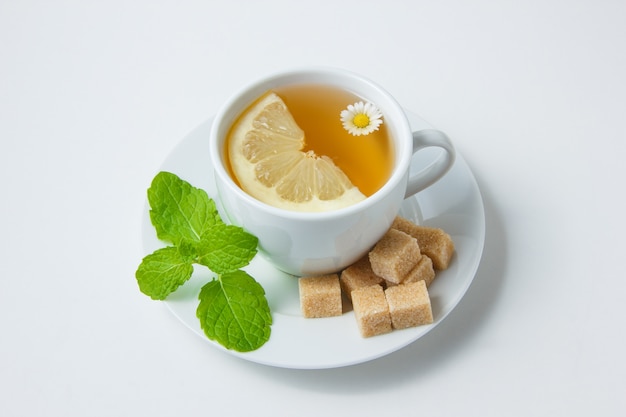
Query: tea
{"x":367,"y":160}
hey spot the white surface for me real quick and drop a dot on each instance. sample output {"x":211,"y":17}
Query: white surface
{"x":93,"y":96}
{"x":455,"y":204}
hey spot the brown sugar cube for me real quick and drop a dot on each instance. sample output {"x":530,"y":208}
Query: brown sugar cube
{"x":371,"y":310}
{"x":433,"y":242}
{"x":358,"y":275}
{"x":395,"y":254}
{"x":320,"y":296}
{"x":422,"y":271}
{"x":409,"y":305}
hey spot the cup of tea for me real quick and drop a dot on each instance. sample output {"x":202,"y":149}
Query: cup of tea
{"x":316,"y":164}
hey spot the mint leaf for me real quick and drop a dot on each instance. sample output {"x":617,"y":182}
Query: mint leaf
{"x":234,"y":312}
{"x":225,"y":248}
{"x":162,"y":272}
{"x":179,"y":210}
{"x":233,"y":309}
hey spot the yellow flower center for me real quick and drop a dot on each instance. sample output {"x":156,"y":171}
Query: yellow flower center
{"x":361,"y":120}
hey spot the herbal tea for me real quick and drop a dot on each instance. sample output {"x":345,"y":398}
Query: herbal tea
{"x":362,"y":149}
{"x":367,"y":160}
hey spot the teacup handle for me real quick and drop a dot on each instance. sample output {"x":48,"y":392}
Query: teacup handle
{"x":436,"y":169}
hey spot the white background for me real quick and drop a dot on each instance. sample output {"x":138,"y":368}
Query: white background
{"x":95,"y":95}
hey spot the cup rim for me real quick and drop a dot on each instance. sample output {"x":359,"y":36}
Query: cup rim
{"x":237,"y":102}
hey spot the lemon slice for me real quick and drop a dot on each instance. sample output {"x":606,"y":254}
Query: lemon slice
{"x":267,"y":158}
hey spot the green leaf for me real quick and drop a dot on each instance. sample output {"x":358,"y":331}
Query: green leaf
{"x":225,"y":248}
{"x":162,"y":272}
{"x":179,"y":210}
{"x":234,"y":312}
{"x":233,"y":309}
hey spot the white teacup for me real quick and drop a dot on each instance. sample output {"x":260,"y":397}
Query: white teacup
{"x":314,"y":243}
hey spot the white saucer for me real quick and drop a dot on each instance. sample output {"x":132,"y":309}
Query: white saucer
{"x":454,"y":204}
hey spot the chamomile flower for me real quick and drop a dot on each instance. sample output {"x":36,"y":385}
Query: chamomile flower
{"x":361,"y":118}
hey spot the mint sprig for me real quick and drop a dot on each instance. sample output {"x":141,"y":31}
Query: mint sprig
{"x":233,"y":309}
